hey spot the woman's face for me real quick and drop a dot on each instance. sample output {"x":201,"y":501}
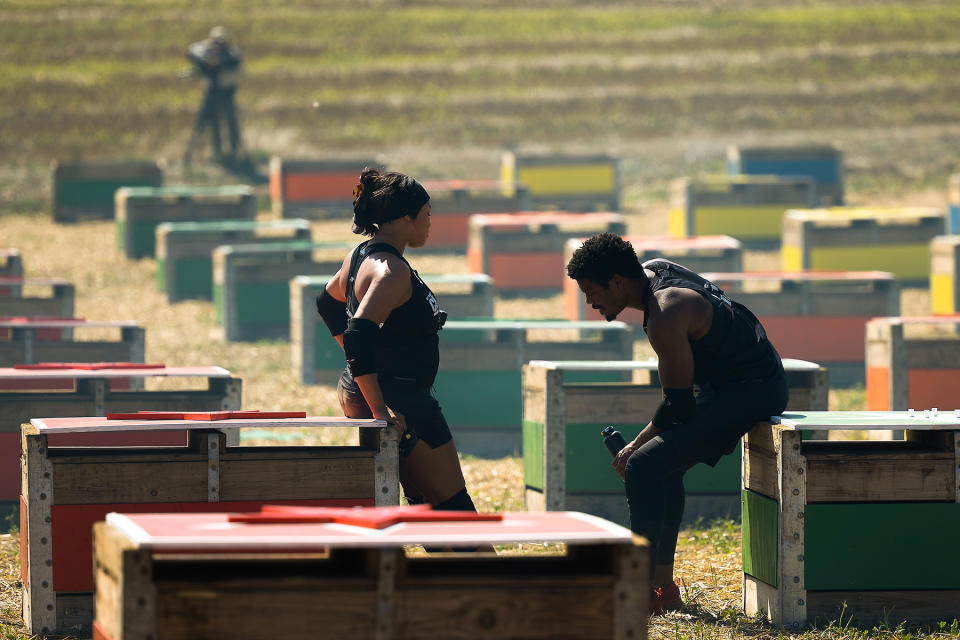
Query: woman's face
{"x":420,"y":226}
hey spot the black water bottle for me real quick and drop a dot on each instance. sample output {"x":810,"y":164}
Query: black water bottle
{"x":613,"y":440}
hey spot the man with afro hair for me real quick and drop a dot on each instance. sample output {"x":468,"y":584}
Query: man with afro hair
{"x":719,"y":373}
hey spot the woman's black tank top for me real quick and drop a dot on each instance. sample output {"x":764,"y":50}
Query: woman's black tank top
{"x":407,"y":344}
{"x":735,"y":347}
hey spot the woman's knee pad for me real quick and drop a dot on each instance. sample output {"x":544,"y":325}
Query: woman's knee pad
{"x":460,"y":501}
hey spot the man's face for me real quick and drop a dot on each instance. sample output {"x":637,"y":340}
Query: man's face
{"x":607,"y":299}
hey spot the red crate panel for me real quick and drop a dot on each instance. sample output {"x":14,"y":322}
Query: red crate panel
{"x":371,"y":518}
{"x":72,"y":531}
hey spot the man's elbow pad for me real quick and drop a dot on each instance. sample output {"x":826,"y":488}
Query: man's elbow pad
{"x":676,"y":408}
{"x":333,"y":312}
{"x":360,"y":346}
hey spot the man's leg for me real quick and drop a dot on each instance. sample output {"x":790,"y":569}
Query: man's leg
{"x":233,"y":127}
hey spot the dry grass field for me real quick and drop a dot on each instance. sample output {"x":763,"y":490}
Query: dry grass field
{"x":438,"y":88}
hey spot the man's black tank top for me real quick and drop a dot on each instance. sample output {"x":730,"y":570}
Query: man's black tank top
{"x":735,"y":347}
{"x":407,"y":344}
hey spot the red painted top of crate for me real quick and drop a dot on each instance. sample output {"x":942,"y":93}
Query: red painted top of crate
{"x":102,"y":424}
{"x":89,"y":366}
{"x":451,"y":185}
{"x":207,"y":416}
{"x":370,"y":517}
{"x":215,"y":533}
{"x":520,"y":219}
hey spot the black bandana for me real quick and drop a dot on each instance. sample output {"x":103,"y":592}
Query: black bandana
{"x":408,"y":201}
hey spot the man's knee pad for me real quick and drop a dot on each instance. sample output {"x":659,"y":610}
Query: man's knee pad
{"x":460,"y":501}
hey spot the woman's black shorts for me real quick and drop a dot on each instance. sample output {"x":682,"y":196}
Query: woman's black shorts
{"x":419,"y":408}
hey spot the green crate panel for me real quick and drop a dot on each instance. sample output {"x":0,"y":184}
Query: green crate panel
{"x":193,"y":277}
{"x":589,"y":470}
{"x":327,"y":353}
{"x":588,"y":461}
{"x":218,"y":303}
{"x":882,"y":545}
{"x":533,"y":454}
{"x":262,"y":303}
{"x":144,"y":238}
{"x":488,"y":398}
{"x":161,"y":275}
{"x":87,"y":192}
{"x":759,"y":527}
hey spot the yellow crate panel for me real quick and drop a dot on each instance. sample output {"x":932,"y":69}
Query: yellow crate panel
{"x":740,"y":222}
{"x":904,"y":261}
{"x":677,"y":223}
{"x":570,"y":179}
{"x":941,"y":291}
{"x":792,"y":257}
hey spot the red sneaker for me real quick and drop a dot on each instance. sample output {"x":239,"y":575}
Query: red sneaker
{"x":670,"y":597}
{"x":656,"y":603}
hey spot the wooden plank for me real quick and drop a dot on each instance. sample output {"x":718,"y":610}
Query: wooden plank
{"x":887,"y":607}
{"x":760,"y":455}
{"x":179,"y":481}
{"x":294,"y":479}
{"x":760,"y":536}
{"x":631,"y":592}
{"x":880,"y":477}
{"x":555,"y":442}
{"x":39,"y":607}
{"x":760,"y":598}
{"x":792,"y":498}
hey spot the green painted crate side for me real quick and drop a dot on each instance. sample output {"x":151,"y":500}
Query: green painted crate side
{"x":489,"y":398}
{"x":533,"y":454}
{"x":462,"y":335}
{"x":120,"y":226}
{"x":759,"y":528}
{"x":721,"y":479}
{"x":144,"y":238}
{"x":161,"y":274}
{"x":84,"y":192}
{"x":263,"y":303}
{"x":882,"y":545}
{"x":193,"y":277}
{"x":218,"y":303}
{"x":327,"y":353}
{"x":588,"y":461}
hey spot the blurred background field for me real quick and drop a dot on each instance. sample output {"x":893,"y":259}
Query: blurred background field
{"x":438,"y":89}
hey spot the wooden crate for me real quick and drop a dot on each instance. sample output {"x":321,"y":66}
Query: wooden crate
{"x":871,"y":524}
{"x":822,"y":163}
{"x":523,"y":252}
{"x":355,"y":582}
{"x":913,"y":362}
{"x":140,"y":209}
{"x":480,"y":385}
{"x":452,"y":202}
{"x":894,"y":239}
{"x":301,"y":188}
{"x":566,"y":465}
{"x":29,"y":341}
{"x":318,"y":359}
{"x":11,"y":273}
{"x":184,"y":250}
{"x":251,"y":284}
{"x":945,"y":275}
{"x":66,"y":489}
{"x":817,"y":316}
{"x":568,"y":182}
{"x":699,"y":254}
{"x":59,"y":304}
{"x":28,"y":393}
{"x":86,"y":190}
{"x":749,"y":208}
{"x":953,"y":204}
